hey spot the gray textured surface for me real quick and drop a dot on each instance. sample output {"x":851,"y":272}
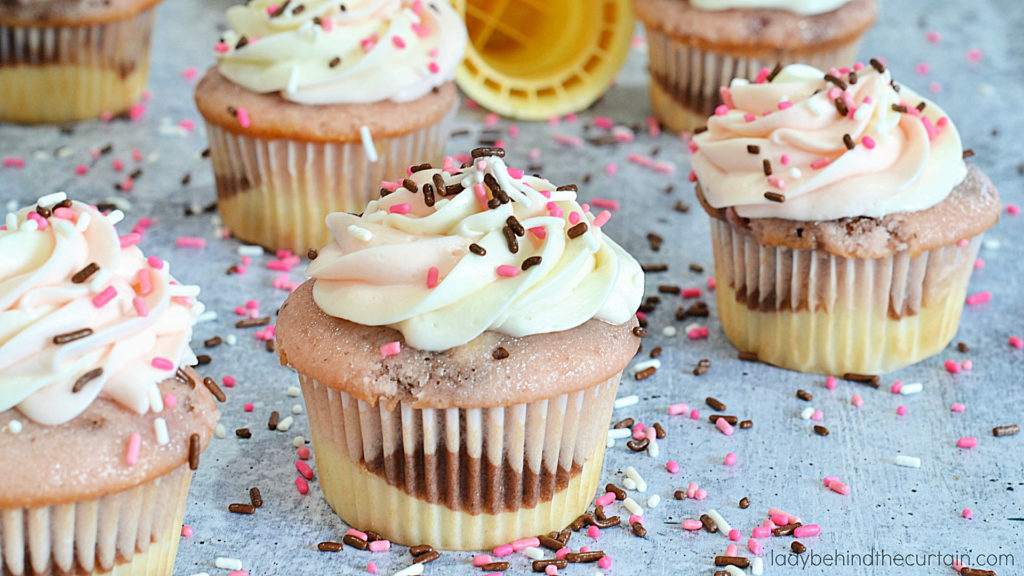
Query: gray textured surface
{"x":781,"y":461}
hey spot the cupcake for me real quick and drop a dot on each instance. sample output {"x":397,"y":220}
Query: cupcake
{"x":312,"y":104}
{"x":844,"y":222}
{"x":459,"y":347}
{"x":62,"y":61}
{"x":696,"y":46}
{"x":101,"y":420}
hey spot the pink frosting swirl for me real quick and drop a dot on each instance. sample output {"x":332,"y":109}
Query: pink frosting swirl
{"x":139,"y":320}
{"x":801,"y":147}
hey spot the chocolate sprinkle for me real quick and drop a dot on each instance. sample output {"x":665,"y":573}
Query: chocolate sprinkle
{"x":737,"y":561}
{"x":1008,"y":430}
{"x":965,"y":571}
{"x":409,"y":185}
{"x":820,"y":430}
{"x":426,"y":557}
{"x":239,"y":508}
{"x":273,"y":420}
{"x":727,"y":417}
{"x":243,"y":433}
{"x":853,"y":77}
{"x":639,"y":529}
{"x":72,"y":336}
{"x":967,"y":154}
{"x":645,"y":373}
{"x":84,"y":274}
{"x":638,"y":445}
{"x":500,"y":353}
{"x":659,"y":431}
{"x":679,"y":494}
{"x":620,"y":494}
{"x":590,"y":556}
{"x":746,"y":424}
{"x":869,"y":379}
{"x":715,"y":403}
{"x":492,"y":151}
{"x":747,"y":356}
{"x":253,"y":322}
{"x":624,"y":423}
{"x":428,"y":194}
{"x":477,"y":249}
{"x":841,"y":107}
{"x":651,"y":268}
{"x":355,"y":542}
{"x":899,"y":108}
{"x":799,"y":548}
{"x":541,"y":565}
{"x":330,"y":546}
{"x":804,"y":395}
{"x":193,"y":452}
{"x":836,"y":80}
{"x":921,"y":105}
{"x":707,"y":521}
{"x":498,"y":566}
{"x":214,"y":389}
{"x":85,"y":379}
{"x":334,"y":62}
{"x":255,"y":497}
{"x":753,"y":149}
{"x":766,"y":164}
{"x":775,"y":72}
{"x":774,"y":197}
{"x":786,"y":530}
{"x":211,"y":342}
{"x":702,"y":367}
{"x":568,"y":187}
{"x":848,"y":142}
{"x":530,"y":262}
{"x":744,"y":503}
{"x":577,"y":230}
{"x":877,"y":65}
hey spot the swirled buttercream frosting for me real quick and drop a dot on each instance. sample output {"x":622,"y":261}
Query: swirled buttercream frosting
{"x":83,"y":313}
{"x":330,"y":52}
{"x":447,"y":254}
{"x":803,"y":144}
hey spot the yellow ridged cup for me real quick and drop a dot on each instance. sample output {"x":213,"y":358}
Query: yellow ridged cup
{"x":535,"y":59}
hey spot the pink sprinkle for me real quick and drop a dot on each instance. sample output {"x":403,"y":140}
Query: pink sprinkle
{"x":695,"y":414}
{"x":602,"y":218}
{"x":515,"y":173}
{"x":749,"y":117}
{"x":711,"y":283}
{"x":380,"y":546}
{"x":551,"y":570}
{"x":400,"y":208}
{"x":302,"y":452}
{"x":539,"y":232}
{"x":186,"y":531}
{"x":481,"y":195}
{"x":391,"y":349}
{"x":229,"y":381}
{"x":781,"y":519}
{"x":605,"y":203}
{"x":672,"y":466}
{"x":170,"y":400}
{"x":838,"y":487}
{"x":11,"y":162}
{"x":118,"y":165}
{"x":807,"y":530}
{"x":611,"y":169}
{"x":81,"y":170}
{"x":481,"y":559}
{"x":221,"y":47}
{"x":974,"y":55}
{"x":605,"y":562}
{"x":761,"y":532}
{"x":155,"y":263}
{"x":784,"y":159}
{"x":734,"y":534}
{"x":762,"y":75}
{"x":934,"y":88}
{"x":979,"y":263}
{"x":701,"y":494}
{"x":190,"y":73}
{"x":777,"y":182}
{"x":731,"y":549}
{"x":162,"y":363}
{"x":724,"y":427}
{"x":677,"y":409}
{"x":933,"y":37}
{"x":433,"y":67}
{"x":357,"y":533}
{"x":726,"y":95}
{"x":721,"y":110}
{"x":785,"y":104}
{"x":730,"y":458}
{"x":979,"y":298}
{"x":131,"y":455}
{"x":140,"y":306}
{"x":690,"y":293}
{"x":503,"y":550}
{"x":692,"y":525}
{"x":368,"y":43}
{"x":398,"y":42}
{"x":302,"y":486}
{"x":533,"y":542}
{"x":901,"y":410}
{"x":868,"y":142}
{"x":698,"y":333}
{"x":64,"y":213}
{"x":1016,"y":342}
{"x":953,"y":366}
{"x":820,"y":163}
{"x":1012,"y":209}
{"x":249,"y":407}
{"x":101,"y":299}
{"x":243,"y":118}
{"x":190,"y":242}
{"x":967,"y":513}
{"x":605,"y":499}
{"x":923,"y":68}
{"x":571,"y":141}
{"x":593,"y":531}
{"x":507,"y":271}
{"x":857,"y":400}
{"x":304,"y":469}
{"x":371,"y":567}
{"x":967,"y":442}
{"x":638,"y":431}
{"x":432,"y":277}
{"x":817,"y":415}
{"x":957,"y":407}
{"x":574,"y":217}
{"x":830,"y":382}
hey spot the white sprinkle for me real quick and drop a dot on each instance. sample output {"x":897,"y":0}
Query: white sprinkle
{"x":360,"y":233}
{"x":807,"y":413}
{"x":14,"y":427}
{"x":795,"y":173}
{"x":734,"y":571}
{"x":156,"y":401}
{"x":691,"y":327}
{"x":653,"y":501}
{"x":64,"y":152}
{"x":285,"y":424}
{"x":11,"y":221}
{"x":99,"y":279}
{"x":633,"y":507}
{"x":628,"y":484}
{"x":208,"y":316}
{"x":250,"y":250}
{"x":626,"y":401}
{"x":160,"y":427}
{"x":29,"y":226}
{"x":201,"y":574}
{"x":231,"y":340}
{"x":228,"y":563}
{"x":219,"y":431}
{"x":723,"y":527}
{"x":533,"y":553}
{"x":610,"y":443}
{"x":12,"y":205}
{"x":189,"y":291}
{"x":756,"y":566}
{"x":115,"y":217}
{"x":293,"y":81}
{"x":368,"y":146}
{"x":669,"y":331}
{"x":738,"y":82}
{"x":820,"y":106}
{"x":297,"y":409}
{"x":51,"y":199}
{"x":907,"y":461}
{"x":619,"y":433}
{"x":990,"y":244}
{"x":861,"y":113}
{"x":41,"y":155}
{"x":784,"y":98}
{"x":912,"y":388}
{"x":641,"y":366}
{"x":84,"y":219}
{"x":652,"y":447}
{"x":641,"y":485}
{"x":592,"y":244}
{"x":414,"y":570}
{"x":294,"y":391}
{"x":298,"y":441}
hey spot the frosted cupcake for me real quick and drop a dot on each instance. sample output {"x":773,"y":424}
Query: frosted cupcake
{"x":101,"y":420}
{"x":62,"y":61}
{"x":696,"y":46}
{"x":459,"y":348}
{"x":312,"y":104}
{"x":845,"y":223}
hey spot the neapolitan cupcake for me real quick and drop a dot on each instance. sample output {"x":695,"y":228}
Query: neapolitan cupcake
{"x":459,"y":348}
{"x":101,"y":420}
{"x":696,"y":46}
{"x":845,"y":223}
{"x":62,"y":61}
{"x":312,"y":104}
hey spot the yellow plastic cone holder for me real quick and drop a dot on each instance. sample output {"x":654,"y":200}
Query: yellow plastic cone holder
{"x":534,"y":59}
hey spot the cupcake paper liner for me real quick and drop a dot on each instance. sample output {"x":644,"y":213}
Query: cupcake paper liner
{"x":129,"y":533}
{"x":520,"y":470}
{"x":73,"y":73}
{"x":685,"y":79}
{"x":813,"y":311}
{"x":276,"y":193}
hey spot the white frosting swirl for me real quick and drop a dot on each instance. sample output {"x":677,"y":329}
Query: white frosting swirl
{"x":376,"y":271}
{"x":312,"y":52}
{"x":901,"y":161}
{"x":805,"y":7}
{"x":39,"y":300}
